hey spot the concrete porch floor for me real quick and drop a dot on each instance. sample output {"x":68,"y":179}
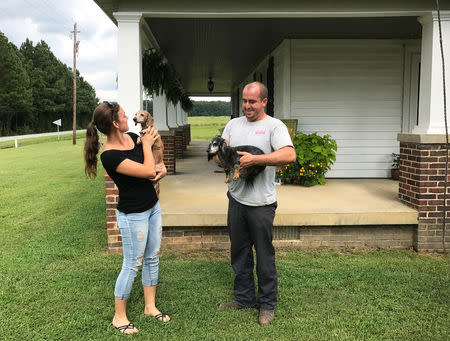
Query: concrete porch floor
{"x":196,"y":196}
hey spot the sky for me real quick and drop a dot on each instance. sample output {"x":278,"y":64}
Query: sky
{"x":53,"y":21}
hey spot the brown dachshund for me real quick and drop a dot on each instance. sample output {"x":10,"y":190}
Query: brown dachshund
{"x":146,"y":120}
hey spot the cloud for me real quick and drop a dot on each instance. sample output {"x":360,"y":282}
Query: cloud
{"x":107,"y":95}
{"x":17,"y":30}
{"x":106,"y":80}
{"x":52,"y":21}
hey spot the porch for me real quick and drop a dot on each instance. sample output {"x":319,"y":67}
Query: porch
{"x":344,"y":213}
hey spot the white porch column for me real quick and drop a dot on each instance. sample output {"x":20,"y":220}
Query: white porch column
{"x":431,"y":100}
{"x":171,"y":116}
{"x":180,"y":122}
{"x":185,"y":117}
{"x":160,"y":112}
{"x":129,"y":64}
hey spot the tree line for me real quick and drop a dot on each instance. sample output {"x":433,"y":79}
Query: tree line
{"x":37,"y":89}
{"x":201,"y":108}
{"x":213,"y":108}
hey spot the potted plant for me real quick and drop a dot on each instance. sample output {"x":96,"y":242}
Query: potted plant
{"x":315,"y":155}
{"x":395,"y":168}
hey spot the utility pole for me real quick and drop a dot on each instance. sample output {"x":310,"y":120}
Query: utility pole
{"x":75,"y":50}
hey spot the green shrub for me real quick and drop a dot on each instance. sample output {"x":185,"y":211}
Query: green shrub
{"x":315,"y":155}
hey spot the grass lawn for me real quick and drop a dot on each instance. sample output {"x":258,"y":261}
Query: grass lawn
{"x":57,"y":280}
{"x":204,"y":128}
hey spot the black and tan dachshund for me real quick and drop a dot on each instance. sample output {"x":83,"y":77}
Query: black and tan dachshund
{"x":229,"y":160}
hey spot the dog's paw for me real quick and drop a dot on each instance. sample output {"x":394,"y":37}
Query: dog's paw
{"x":138,"y":140}
{"x":236,"y":174}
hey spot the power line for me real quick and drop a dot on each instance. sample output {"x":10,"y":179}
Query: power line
{"x":39,"y":9}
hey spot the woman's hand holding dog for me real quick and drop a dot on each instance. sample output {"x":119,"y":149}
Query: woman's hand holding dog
{"x":148,"y":168}
{"x":150,"y":136}
{"x":161,"y":172}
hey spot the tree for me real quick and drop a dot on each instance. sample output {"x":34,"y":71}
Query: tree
{"x":50,"y":93}
{"x":15,"y":93}
{"x":52,"y":88}
{"x":214,"y":108}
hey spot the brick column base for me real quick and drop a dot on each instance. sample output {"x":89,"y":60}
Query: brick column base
{"x":187,"y":135}
{"x":179,"y":138}
{"x":168,"y":139}
{"x":185,"y":141}
{"x":112,"y":198}
{"x":188,"y":129}
{"x":421,"y":186}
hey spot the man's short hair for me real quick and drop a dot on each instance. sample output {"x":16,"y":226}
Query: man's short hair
{"x":263,"y":92}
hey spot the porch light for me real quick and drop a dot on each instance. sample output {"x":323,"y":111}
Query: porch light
{"x":210,"y":85}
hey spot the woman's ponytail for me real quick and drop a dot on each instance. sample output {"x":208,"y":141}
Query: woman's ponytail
{"x":91,"y":148}
{"x":102,"y":119}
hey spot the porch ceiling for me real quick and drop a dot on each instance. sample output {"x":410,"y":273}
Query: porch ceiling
{"x":227,"y":49}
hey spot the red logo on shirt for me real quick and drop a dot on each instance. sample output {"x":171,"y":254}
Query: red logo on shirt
{"x":260,"y":132}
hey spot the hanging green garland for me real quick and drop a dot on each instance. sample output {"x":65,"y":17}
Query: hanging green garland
{"x":186,"y":103}
{"x":159,"y":77}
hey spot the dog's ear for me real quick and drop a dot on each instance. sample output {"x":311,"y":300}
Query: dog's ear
{"x":149,"y":119}
{"x":223,"y":142}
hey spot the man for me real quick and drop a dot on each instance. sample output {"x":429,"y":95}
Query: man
{"x":251,"y":208}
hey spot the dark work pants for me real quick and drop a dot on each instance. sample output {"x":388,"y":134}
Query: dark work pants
{"x":248,"y":226}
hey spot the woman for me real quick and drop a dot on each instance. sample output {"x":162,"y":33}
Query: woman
{"x":132,"y":167}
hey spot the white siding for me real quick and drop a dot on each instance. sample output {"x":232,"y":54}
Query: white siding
{"x":352,"y":90}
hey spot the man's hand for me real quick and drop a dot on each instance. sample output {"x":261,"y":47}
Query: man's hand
{"x":247,"y":159}
{"x":279,"y":157}
{"x":161,"y":172}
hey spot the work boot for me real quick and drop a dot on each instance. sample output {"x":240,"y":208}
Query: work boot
{"x":266,"y":317}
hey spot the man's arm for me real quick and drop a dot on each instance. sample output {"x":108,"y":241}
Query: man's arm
{"x":277,"y":158}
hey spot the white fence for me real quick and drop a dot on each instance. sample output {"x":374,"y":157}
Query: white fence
{"x":22,"y":137}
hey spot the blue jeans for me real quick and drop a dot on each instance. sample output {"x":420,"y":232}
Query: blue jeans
{"x":141,"y":241}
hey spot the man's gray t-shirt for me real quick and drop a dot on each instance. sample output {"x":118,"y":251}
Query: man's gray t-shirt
{"x":268,"y":134}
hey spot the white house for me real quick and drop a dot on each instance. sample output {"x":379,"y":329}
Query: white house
{"x":361,"y":71}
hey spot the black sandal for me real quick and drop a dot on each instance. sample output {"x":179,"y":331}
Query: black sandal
{"x":161,"y":317}
{"x":123,"y":328}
